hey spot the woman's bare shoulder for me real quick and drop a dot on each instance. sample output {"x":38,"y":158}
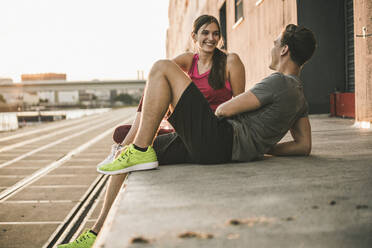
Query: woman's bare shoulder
{"x":232,"y":57}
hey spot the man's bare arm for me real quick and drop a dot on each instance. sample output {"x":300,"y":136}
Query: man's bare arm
{"x":244,"y":102}
{"x":301,"y":144}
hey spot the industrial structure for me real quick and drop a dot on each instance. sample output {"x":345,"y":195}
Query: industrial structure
{"x":54,"y":93}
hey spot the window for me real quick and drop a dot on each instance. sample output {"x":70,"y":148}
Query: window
{"x":238,"y":10}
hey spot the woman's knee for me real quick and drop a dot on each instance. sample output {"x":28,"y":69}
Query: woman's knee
{"x":120,"y":133}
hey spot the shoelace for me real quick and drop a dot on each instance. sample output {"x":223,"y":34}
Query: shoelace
{"x":114,"y":150}
{"x":82,"y":238}
{"x":124,"y":155}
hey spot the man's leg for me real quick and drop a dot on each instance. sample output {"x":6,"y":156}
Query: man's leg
{"x":209,"y":140}
{"x":165,"y":86}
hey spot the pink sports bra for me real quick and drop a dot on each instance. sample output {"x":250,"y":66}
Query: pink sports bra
{"x":214,"y":97}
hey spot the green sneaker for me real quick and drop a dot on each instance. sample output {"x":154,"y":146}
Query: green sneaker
{"x":131,"y":160}
{"x":85,"y":240}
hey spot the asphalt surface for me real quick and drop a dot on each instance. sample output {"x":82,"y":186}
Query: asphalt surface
{"x":324,"y":200}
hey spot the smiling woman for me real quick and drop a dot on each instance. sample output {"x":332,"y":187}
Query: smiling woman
{"x":207,"y":35}
{"x":60,"y":36}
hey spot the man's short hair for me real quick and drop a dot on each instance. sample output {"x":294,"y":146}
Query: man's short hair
{"x":300,"y":41}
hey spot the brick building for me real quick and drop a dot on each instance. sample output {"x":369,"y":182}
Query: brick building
{"x":342,"y":62}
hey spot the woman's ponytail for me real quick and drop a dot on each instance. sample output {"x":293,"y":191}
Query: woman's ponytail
{"x":217,"y":76}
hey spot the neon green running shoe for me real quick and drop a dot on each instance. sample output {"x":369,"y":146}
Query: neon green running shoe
{"x":85,"y":240}
{"x":131,"y":160}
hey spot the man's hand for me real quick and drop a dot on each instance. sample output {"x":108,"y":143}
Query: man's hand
{"x":301,"y":144}
{"x":218,"y":112}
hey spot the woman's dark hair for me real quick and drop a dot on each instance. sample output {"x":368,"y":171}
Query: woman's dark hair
{"x":300,"y":41}
{"x":217,"y":76}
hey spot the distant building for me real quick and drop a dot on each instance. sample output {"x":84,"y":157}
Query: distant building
{"x":43,"y":76}
{"x":61,"y":97}
{"x":343,"y":28}
{"x":57,"y":93}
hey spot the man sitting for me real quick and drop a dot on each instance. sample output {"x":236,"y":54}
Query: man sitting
{"x":242,"y":129}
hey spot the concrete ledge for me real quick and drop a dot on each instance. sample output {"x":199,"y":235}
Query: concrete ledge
{"x":324,"y":200}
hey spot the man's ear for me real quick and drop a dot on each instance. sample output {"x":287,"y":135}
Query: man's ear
{"x":284,"y":50}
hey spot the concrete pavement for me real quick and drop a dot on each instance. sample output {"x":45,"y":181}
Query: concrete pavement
{"x":324,"y":200}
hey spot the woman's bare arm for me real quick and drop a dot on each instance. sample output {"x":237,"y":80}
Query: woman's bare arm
{"x":236,"y":73}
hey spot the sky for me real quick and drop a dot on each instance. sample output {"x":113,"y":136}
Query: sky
{"x":86,"y":39}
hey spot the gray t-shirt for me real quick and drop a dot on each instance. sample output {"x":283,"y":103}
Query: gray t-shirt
{"x":282,"y":104}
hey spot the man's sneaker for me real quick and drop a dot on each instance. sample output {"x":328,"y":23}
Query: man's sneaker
{"x":131,"y":160}
{"x":85,"y":240}
{"x":110,"y":158}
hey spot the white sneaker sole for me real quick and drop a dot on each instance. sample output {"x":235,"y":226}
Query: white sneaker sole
{"x":137,"y":167}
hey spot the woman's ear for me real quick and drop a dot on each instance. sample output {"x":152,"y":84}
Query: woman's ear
{"x":193,"y":36}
